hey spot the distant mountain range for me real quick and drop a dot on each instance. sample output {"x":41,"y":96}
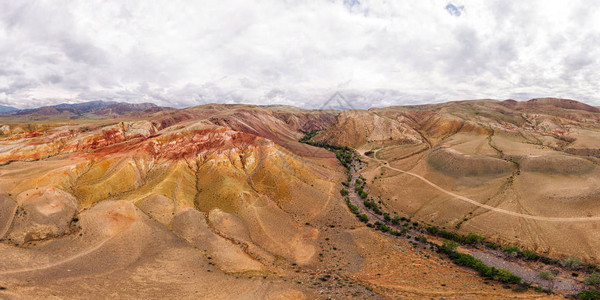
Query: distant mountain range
{"x":7,"y":109}
{"x":101,"y":108}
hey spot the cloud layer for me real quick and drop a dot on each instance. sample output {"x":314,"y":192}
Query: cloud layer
{"x":182,"y":53}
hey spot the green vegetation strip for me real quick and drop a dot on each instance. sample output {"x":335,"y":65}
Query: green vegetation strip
{"x":589,"y":295}
{"x":467,"y":260}
{"x":346,"y":156}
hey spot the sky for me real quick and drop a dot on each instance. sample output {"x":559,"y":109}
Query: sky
{"x":375,"y":52}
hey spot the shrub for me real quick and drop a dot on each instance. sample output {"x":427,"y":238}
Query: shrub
{"x":546,"y":275}
{"x":466,"y":260}
{"x":363,"y":194}
{"x":363,"y":218}
{"x":448,"y":247}
{"x":491,"y":245}
{"x":431,"y":229}
{"x":571,"y":263}
{"x":506,"y":276}
{"x":511,"y":251}
{"x":353,"y":208}
{"x":589,"y":268}
{"x":421,"y":239}
{"x":382,"y":227}
{"x":446,"y":234}
{"x":548,"y":261}
{"x":501,"y":274}
{"x":396,"y":220}
{"x":387,"y":217}
{"x":344,"y":192}
{"x":530,"y":255}
{"x":308,"y":135}
{"x":473,"y":238}
{"x":593,"y":279}
{"x":589,"y":295}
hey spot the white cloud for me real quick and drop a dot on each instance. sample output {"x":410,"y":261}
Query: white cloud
{"x":182,"y":53}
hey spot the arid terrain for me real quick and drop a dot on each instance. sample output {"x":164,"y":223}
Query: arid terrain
{"x":114,"y":200}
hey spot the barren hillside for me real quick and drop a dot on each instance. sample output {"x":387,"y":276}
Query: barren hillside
{"x":222,"y":201}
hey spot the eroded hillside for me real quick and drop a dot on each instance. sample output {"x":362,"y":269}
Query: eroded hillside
{"x":537,"y":158}
{"x":221,"y":201}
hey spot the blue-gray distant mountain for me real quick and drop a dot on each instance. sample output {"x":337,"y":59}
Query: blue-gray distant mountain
{"x":99,"y":108}
{"x":7,"y":109}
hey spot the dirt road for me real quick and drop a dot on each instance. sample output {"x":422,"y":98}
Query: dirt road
{"x":471,"y":201}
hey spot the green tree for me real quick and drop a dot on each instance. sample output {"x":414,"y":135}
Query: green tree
{"x":363,"y":218}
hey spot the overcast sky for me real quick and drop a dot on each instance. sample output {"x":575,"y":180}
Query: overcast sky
{"x":380,"y":53}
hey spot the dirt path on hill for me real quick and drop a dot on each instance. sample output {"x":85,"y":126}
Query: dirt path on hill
{"x":471,"y":201}
{"x":528,"y":271}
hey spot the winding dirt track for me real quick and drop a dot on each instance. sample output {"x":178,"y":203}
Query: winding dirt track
{"x":471,"y":201}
